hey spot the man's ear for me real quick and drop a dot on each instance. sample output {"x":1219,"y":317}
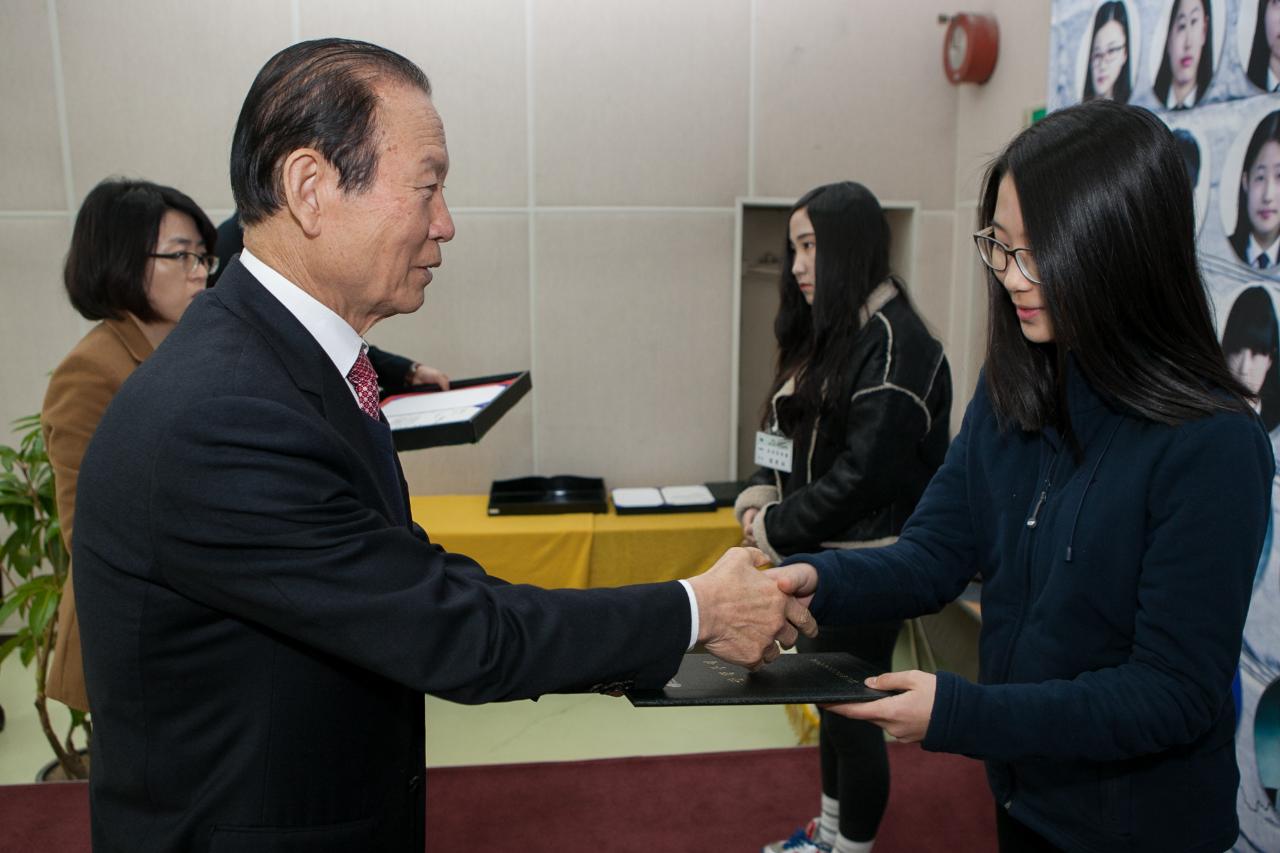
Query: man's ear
{"x":303,"y":174}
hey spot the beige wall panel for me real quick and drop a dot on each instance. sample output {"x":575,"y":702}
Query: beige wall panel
{"x":29,"y":136}
{"x":641,"y":103}
{"x":931,"y":287}
{"x":475,"y":322}
{"x":977,"y":289}
{"x":856,"y":91}
{"x":37,"y":324}
{"x":967,"y":323}
{"x":474,"y":54}
{"x":632,"y":340}
{"x":154,"y":92}
{"x":990,"y":115}
{"x":505,"y":451}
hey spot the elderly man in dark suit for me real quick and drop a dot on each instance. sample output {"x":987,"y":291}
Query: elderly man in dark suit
{"x":261,"y":617}
{"x":395,"y":372}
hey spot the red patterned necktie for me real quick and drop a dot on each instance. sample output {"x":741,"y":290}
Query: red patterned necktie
{"x":363,"y":378}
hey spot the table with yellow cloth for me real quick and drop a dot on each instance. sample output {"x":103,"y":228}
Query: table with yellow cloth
{"x":578,"y":550}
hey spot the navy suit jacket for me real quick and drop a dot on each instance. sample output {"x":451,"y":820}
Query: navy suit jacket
{"x":260,"y":621}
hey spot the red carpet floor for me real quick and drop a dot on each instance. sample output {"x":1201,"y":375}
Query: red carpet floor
{"x":696,"y":803}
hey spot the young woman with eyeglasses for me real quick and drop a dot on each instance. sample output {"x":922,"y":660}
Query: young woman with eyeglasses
{"x":140,"y":252}
{"x":1111,"y":485}
{"x":1108,"y":74}
{"x":861,"y":400}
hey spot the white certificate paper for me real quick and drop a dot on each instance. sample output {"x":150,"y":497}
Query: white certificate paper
{"x":439,"y":407}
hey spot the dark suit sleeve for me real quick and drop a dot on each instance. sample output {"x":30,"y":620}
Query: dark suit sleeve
{"x":391,"y":369}
{"x":256,"y":513}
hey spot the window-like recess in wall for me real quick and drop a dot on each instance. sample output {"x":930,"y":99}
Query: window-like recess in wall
{"x":761,"y":242}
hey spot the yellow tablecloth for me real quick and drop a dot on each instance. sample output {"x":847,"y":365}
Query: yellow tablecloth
{"x":646,"y":548}
{"x":577,"y":550}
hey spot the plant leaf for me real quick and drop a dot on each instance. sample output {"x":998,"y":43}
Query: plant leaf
{"x":9,"y":645}
{"x":14,"y":600}
{"x":42,"y":610}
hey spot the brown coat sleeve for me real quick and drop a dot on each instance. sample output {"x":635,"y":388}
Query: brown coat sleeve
{"x":79,"y":391}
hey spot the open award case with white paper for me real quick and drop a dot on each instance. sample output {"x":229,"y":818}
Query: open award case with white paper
{"x":430,"y":417}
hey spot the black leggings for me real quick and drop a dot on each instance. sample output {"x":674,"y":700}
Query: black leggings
{"x":855,"y":763}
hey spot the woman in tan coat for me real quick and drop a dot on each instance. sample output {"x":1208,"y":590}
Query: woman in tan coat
{"x":139,"y":254}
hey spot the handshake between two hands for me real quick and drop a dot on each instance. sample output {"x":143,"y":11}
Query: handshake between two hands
{"x":746,"y":617}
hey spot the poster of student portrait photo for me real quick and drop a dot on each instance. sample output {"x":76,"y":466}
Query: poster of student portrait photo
{"x":1109,"y":53}
{"x":1249,"y":190}
{"x":1251,"y":343}
{"x":1161,"y":54}
{"x":1189,"y":50}
{"x":1258,"y":42}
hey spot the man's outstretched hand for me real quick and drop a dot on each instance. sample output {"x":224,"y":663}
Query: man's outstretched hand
{"x":743,"y":615}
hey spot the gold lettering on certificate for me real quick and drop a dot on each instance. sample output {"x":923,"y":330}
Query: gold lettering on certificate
{"x":831,"y":669}
{"x":727,"y":671}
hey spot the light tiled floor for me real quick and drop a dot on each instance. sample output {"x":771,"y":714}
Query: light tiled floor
{"x":555,"y":728}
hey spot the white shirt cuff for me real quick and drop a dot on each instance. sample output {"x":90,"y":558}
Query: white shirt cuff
{"x":693,"y":614}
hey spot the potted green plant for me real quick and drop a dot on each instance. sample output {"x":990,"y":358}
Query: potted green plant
{"x":34,"y":563}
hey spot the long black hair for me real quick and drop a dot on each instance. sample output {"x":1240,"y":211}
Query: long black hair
{"x":1260,"y":53}
{"x":815,"y":342}
{"x":1108,"y":213}
{"x":1204,"y":71}
{"x":1251,"y":325}
{"x":1108,"y":12}
{"x":1268,"y":130}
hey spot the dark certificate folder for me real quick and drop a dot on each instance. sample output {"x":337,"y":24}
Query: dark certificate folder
{"x":429,"y":417}
{"x":819,"y":677}
{"x":546,"y":495}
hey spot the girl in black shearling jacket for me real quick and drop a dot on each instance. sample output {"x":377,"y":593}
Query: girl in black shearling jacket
{"x":858,"y":415}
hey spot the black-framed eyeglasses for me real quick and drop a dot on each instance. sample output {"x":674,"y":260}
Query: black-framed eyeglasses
{"x":190,"y":260}
{"x":996,"y":255}
{"x":1107,"y":54}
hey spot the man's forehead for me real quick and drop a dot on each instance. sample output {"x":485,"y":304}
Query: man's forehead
{"x":435,"y":152}
{"x":410,"y":119}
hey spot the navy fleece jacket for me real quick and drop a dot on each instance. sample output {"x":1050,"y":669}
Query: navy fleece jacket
{"x":1115,"y":588}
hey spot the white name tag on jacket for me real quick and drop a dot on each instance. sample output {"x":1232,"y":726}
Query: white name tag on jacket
{"x":774,"y":451}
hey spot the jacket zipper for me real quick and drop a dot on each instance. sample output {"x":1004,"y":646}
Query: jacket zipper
{"x":1044,"y":493}
{"x":1032,"y":523}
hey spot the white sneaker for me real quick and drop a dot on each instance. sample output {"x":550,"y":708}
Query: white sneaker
{"x":801,"y":841}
